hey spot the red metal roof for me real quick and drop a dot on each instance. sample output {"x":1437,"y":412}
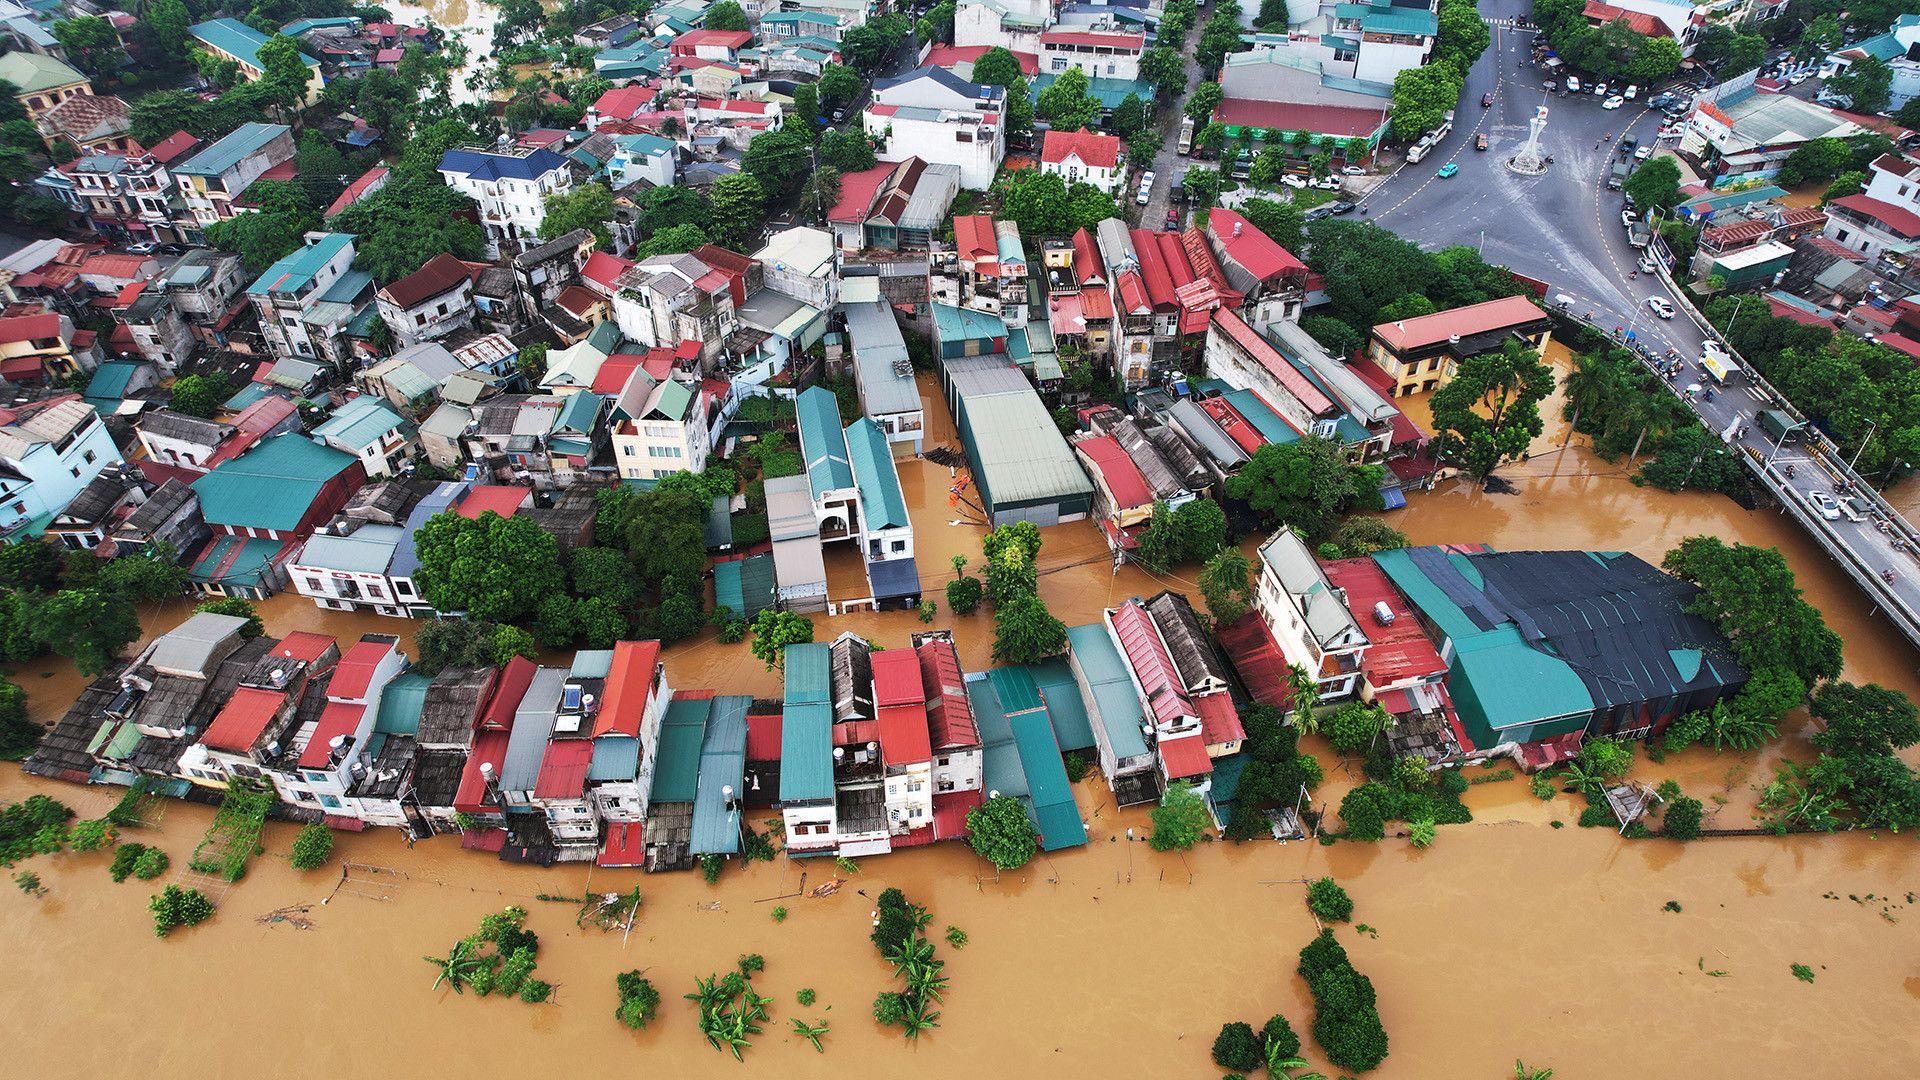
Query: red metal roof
{"x":502,"y":499}
{"x":1096,"y":304}
{"x":29,"y":327}
{"x":1342,"y":121}
{"x":1118,"y":472}
{"x":621,"y":102}
{"x":353,"y":677}
{"x":763,"y":737}
{"x":489,"y":748}
{"x":512,"y":685}
{"x":1400,"y":652}
{"x":1504,"y":313}
{"x":1133,"y":294}
{"x":1900,"y":342}
{"x":1086,"y":258}
{"x":1254,"y":251}
{"x":1093,"y":150}
{"x":949,"y":712}
{"x":563,"y":769}
{"x":896,"y":678}
{"x":1153,"y":270}
{"x":946,"y":56}
{"x":304,"y":645}
{"x":973,"y":239}
{"x":623,"y":699}
{"x":903,"y":729}
{"x":602,"y":269}
{"x":1174,"y":254}
{"x":950,"y":810}
{"x":1257,"y":658}
{"x":1219,"y":720}
{"x":1185,"y":757}
{"x":614,"y":373}
{"x":483,"y":839}
{"x":337,"y":719}
{"x":1152,"y":668}
{"x":241,"y":720}
{"x":1236,"y":427}
{"x":174,"y":145}
{"x":1798,"y":314}
{"x":1303,"y":390}
{"x":625,"y":846}
{"x":1899,"y":220}
{"x":731,"y":39}
{"x":1093,"y":38}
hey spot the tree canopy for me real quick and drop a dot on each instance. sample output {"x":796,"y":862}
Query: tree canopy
{"x":407,"y":222}
{"x":588,"y":207}
{"x":490,"y":567}
{"x":1305,"y":485}
{"x":1489,"y":412}
{"x":1750,"y":594}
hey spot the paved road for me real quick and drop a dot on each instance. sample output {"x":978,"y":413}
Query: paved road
{"x":1168,"y":165}
{"x":1564,"y":228}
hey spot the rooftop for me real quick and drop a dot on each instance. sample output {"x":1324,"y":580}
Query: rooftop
{"x":273,"y":486}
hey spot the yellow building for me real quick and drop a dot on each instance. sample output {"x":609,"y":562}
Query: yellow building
{"x":41,"y":81}
{"x":1422,"y":354}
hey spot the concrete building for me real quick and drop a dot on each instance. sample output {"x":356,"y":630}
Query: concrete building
{"x":212,"y":181}
{"x":430,"y":302}
{"x":939,"y":117}
{"x":306,"y":299}
{"x":1083,"y":157}
{"x":659,"y":427}
{"x":51,"y":450}
{"x":1886,"y":214}
{"x":231,"y":39}
{"x":512,"y":185}
{"x":883,"y":372}
{"x":41,"y":83}
{"x":1421,"y":354}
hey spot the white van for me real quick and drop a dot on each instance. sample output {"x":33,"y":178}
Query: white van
{"x":1573,"y":84}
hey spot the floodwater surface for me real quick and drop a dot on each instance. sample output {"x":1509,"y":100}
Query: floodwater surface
{"x":1507,"y":939}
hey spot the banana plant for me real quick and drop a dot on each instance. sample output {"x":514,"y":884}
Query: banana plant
{"x":918,"y":1019}
{"x":811,"y":1032}
{"x":457,"y":967}
{"x":1521,"y":1072}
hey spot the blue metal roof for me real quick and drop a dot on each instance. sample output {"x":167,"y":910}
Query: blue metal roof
{"x":894,"y":578}
{"x":808,"y":673}
{"x":1049,"y":792}
{"x":485,"y":165}
{"x":295,"y":270}
{"x":823,"y":442}
{"x":806,"y":752}
{"x":1000,"y":760}
{"x":1072,"y":727}
{"x":615,"y":757}
{"x":723,"y":765}
{"x":1114,"y":701}
{"x":882,"y":506}
{"x":230,"y":150}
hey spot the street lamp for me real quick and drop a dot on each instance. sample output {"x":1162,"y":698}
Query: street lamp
{"x":1782,"y":440}
{"x":1863,"y":446}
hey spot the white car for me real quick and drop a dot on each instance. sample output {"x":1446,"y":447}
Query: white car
{"x":1292,"y":181}
{"x":1573,"y":84}
{"x":1643,"y":153}
{"x":1627,"y":218}
{"x":1629,"y":92}
{"x":1824,"y":505}
{"x":1672,"y":131}
{"x":1599,"y":89}
{"x":1327,"y":183}
{"x":1146,"y":179}
{"x":1648,"y":265}
{"x":1352,"y":170}
{"x":1613,"y":102}
{"x":1145,"y":195}
{"x":1659,"y":306}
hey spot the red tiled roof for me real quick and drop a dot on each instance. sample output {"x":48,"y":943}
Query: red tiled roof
{"x":1093,"y":150}
{"x":1257,"y":658}
{"x":947,"y":56}
{"x":623,"y":698}
{"x":489,"y":748}
{"x":1834,"y":247}
{"x":1640,"y":22}
{"x":1093,"y":38}
{"x":1118,"y":472}
{"x":950,"y":809}
{"x":1185,"y":757}
{"x":1342,"y":121}
{"x":621,"y":102}
{"x":337,"y":719}
{"x":502,"y":499}
{"x":1219,"y":720}
{"x":563,"y":769}
{"x":1086,"y":258}
{"x":437,"y":275}
{"x":1253,"y":250}
{"x":1797,"y":314}
{"x":172,"y":147}
{"x":949,"y":712}
{"x":353,"y":677}
{"x":1739,"y":233}
{"x":114,"y":266}
{"x":512,"y":686}
{"x":1303,"y":390}
{"x":975,"y":243}
{"x":243,"y":718}
{"x":1152,"y":668}
{"x":1508,"y":311}
{"x":1903,"y":222}
{"x":763,"y":736}
{"x":625,"y":846}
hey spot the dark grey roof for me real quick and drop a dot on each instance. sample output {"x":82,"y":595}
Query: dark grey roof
{"x":63,"y":750}
{"x":386,"y":503}
{"x":436,"y":776}
{"x":1178,"y":454}
{"x":852,"y":679}
{"x":165,"y":423}
{"x":160,"y":506}
{"x":97,"y":499}
{"x":451,"y":705}
{"x":1193,"y":656}
{"x":388,"y":772}
{"x":557,"y":246}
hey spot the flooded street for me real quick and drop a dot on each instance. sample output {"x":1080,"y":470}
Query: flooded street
{"x":469,"y":21}
{"x":1506,"y":939}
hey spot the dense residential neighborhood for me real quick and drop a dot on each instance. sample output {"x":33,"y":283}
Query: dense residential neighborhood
{"x":658,"y":437}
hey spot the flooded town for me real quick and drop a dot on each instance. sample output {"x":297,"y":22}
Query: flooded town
{"x":1099,"y":538}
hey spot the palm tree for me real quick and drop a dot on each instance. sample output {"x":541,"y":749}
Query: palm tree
{"x":457,"y":967}
{"x":1306,"y":694}
{"x":1281,"y":1068}
{"x":1523,"y":1073}
{"x":1579,"y":776}
{"x":1658,"y":415}
{"x":1589,"y":385}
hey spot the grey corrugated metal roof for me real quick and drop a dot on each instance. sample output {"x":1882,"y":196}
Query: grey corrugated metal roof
{"x":1020,"y":453}
{"x":532,"y":727}
{"x":723,"y":765}
{"x":196,"y":645}
{"x":591,"y":664}
{"x":790,"y":508}
{"x":878,"y":347}
{"x":1196,"y":425}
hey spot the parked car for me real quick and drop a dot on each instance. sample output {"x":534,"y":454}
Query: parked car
{"x":1824,"y":505}
{"x":1295,"y":182}
{"x":1660,"y":101}
{"x":144,"y":247}
{"x":1480,"y":143}
{"x":1643,"y":153}
{"x":1573,"y":84}
{"x":1660,"y":306}
{"x":1613,"y":102}
{"x":1486,"y":101}
{"x":1173,"y":220}
{"x":1319,"y":212}
{"x":839,"y":115}
{"x":1648,"y":265}
{"x":1600,"y":90}
{"x":1447,"y":170}
{"x":1352,"y":170}
{"x":1627,"y":218}
{"x":1629,"y":92}
{"x":1328,"y":183}
{"x":1344,"y":206}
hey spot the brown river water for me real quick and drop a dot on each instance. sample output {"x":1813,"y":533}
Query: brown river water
{"x":1506,"y":939}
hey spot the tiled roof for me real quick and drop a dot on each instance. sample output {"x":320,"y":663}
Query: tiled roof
{"x":440,"y":274}
{"x":242,"y":720}
{"x":1508,"y":311}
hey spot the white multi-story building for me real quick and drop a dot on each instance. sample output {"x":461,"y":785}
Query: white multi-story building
{"x":1084,"y":157}
{"x":430,"y":302}
{"x":212,"y":180}
{"x":512,"y":185}
{"x":659,"y":427}
{"x":50,"y":450}
{"x":1886,"y":214}
{"x":1102,"y":52}
{"x":1308,"y":616}
{"x":668,"y":299}
{"x":306,"y":299}
{"x":939,"y":117}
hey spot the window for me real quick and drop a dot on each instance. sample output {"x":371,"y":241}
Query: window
{"x":314,"y":776}
{"x":402,"y":588}
{"x":313,"y":583}
{"x":899,"y":545}
{"x":329,"y":802}
{"x":626,"y":449}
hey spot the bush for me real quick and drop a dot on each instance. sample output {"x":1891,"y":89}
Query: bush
{"x":1077,"y":768}
{"x":152,"y":863}
{"x":1611,"y":758}
{"x":710,"y":868}
{"x":176,"y":907}
{"x":1346,"y":1024}
{"x":1238,"y":1048}
{"x":124,"y":859}
{"x":963,"y":595}
{"x":1279,"y":1034}
{"x":1002,"y":833}
{"x":1682,"y":820}
{"x":89,"y":836}
{"x":1328,"y":900}
{"x":312,"y":847}
{"x":639,"y":1001}
{"x":1542,"y":785}
{"x":1367,"y":809}
{"x":1597,"y":816}
{"x":1420,"y":833}
{"x":1686,"y":731}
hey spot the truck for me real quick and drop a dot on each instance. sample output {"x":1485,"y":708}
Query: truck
{"x":1617,"y":175}
{"x":1417,"y":151}
{"x":1186,"y":135}
{"x":1639,"y":233}
{"x":1718,"y":365}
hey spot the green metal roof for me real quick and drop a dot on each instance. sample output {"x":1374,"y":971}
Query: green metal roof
{"x":1000,"y":760}
{"x":808,"y":673}
{"x":823,"y":442}
{"x":237,"y":39}
{"x":1017,"y":691}
{"x":401,"y":703}
{"x":579,"y":412}
{"x":248,"y":394}
{"x":806,"y":752}
{"x":723,"y":765}
{"x":1402,"y":21}
{"x":952,"y":324}
{"x":1261,"y":415}
{"x":1072,"y":727}
{"x":674,"y":397}
{"x":272,"y":486}
{"x":362,"y":422}
{"x":111,"y":378}
{"x":1113,"y":696}
{"x":230,"y":150}
{"x":1051,"y":795}
{"x":31,"y":73}
{"x":234,"y":560}
{"x":744,"y":586}
{"x":615,"y":757}
{"x":676,"y":772}
{"x":881,"y":503}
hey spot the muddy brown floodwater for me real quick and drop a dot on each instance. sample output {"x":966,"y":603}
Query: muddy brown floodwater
{"x":1506,"y":939}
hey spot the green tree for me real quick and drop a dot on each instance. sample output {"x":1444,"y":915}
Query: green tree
{"x":774,"y":630}
{"x":1037,"y":202}
{"x":869,"y":45}
{"x":29,"y":565}
{"x":739,"y":206}
{"x":18,"y":735}
{"x":262,"y":237}
{"x":1272,"y":15}
{"x":726,"y":15}
{"x":1655,"y":183}
{"x":1180,"y":820}
{"x":1490,"y":412}
{"x":662,"y":208}
{"x":1025,"y":632}
{"x":452,"y":643}
{"x":1283,"y":223}
{"x":1463,"y":35}
{"x":1355,"y":725}
{"x":1165,"y":68}
{"x":1205,"y":98}
{"x":1749,"y":593}
{"x":997,"y":67}
{"x":91,"y":627}
{"x":240,"y":608}
{"x":1868,"y":81}
{"x":1657,"y":58}
{"x":312,"y":846}
{"x":145,"y":577}
{"x":1226,"y":583}
{"x":1088,"y":206}
{"x":1846,"y":184}
{"x":201,"y":395}
{"x":847,"y":151}
{"x":839,"y":84}
{"x":1129,"y":118}
{"x":1421,"y":98}
{"x":676,"y":240}
{"x":1682,"y":819}
{"x":1238,"y":1048}
{"x":588,"y":207}
{"x":1001,"y":833}
{"x":91,"y":44}
{"x":780,"y":160}
{"x":491,"y":567}
{"x":163,"y":27}
{"x":1864,"y":720}
{"x":937,"y":24}
{"x":511,"y":641}
{"x":1329,"y":901}
{"x":407,"y":222}
{"x":820,"y":193}
{"x":599,"y":571}
{"x":1067,"y":104}
{"x":1305,"y":486}
{"x":639,"y":1001}
{"x":1359,"y":536}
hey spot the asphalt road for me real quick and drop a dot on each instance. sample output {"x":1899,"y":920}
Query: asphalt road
{"x":1564,"y":228}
